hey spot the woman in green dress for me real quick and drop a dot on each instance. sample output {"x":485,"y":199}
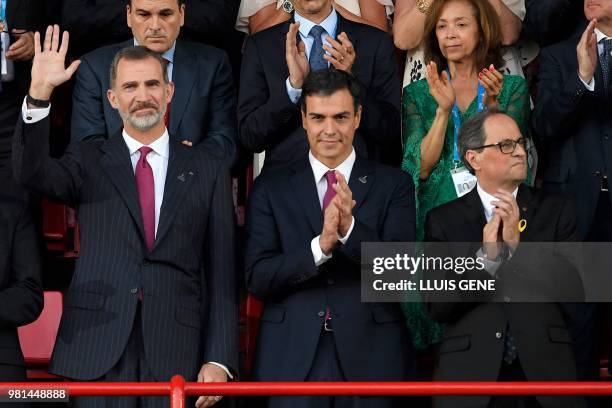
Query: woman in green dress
{"x":463,"y":55}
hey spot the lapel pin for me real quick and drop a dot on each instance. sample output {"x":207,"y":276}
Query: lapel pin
{"x":190,"y":173}
{"x":522,"y":225}
{"x":181,"y":177}
{"x":524,"y":208}
{"x":363,"y":179}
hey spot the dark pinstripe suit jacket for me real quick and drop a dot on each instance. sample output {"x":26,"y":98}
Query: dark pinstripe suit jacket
{"x":187,"y":279}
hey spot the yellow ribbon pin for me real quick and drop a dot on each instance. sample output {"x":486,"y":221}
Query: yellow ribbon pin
{"x":522,"y":225}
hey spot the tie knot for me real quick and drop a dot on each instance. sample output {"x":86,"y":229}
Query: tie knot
{"x":331,"y":177}
{"x":607,"y":44}
{"x":316,"y":31}
{"x":144,"y":151}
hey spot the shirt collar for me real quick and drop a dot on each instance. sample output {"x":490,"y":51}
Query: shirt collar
{"x":168,"y":55}
{"x":161,"y":146}
{"x":319,"y":169}
{"x":329,"y":24}
{"x":486,"y":199}
{"x":600,"y":35}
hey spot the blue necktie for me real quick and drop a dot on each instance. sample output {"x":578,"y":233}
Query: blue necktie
{"x":606,"y":60}
{"x":316,"y":60}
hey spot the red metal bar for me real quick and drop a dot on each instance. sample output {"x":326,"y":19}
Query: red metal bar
{"x":177,"y":392}
{"x":177,"y":389}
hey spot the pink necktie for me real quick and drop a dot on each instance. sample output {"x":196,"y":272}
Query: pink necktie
{"x":146,"y":195}
{"x":330,"y":193}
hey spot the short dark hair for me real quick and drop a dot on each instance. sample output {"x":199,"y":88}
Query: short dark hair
{"x":325,"y":82}
{"x":180,"y":2}
{"x":488,"y":50}
{"x":136,"y":53}
{"x":472,"y":133}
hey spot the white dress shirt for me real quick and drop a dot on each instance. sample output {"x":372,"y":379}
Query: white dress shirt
{"x":319,"y":170}
{"x":329,"y":25}
{"x":491,"y":266}
{"x":600,"y":48}
{"x":158,"y":160}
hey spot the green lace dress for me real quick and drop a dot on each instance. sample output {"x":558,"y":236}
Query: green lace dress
{"x":418,"y":113}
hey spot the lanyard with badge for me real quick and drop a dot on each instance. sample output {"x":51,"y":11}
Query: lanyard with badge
{"x":463,"y":180}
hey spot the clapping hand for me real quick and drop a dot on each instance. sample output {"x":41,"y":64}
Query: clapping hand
{"x":295,"y":54}
{"x":48,"y":69}
{"x":341,"y":53}
{"x":492,"y":81}
{"x":440,"y":87}
{"x":586,"y":51}
{"x":507,"y":209}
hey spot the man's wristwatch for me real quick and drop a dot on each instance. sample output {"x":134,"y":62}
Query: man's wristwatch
{"x":37,"y":102}
{"x":287,"y":6}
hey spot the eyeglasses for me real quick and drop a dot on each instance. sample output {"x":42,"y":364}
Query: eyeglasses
{"x":507,"y":146}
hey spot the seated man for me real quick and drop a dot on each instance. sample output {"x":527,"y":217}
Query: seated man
{"x":491,"y":341}
{"x":305,"y":228}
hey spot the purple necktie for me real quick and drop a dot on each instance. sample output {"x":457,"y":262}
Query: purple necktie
{"x":330,"y":193}
{"x":146,"y":195}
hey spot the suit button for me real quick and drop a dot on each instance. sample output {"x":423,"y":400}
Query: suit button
{"x":499,"y":335}
{"x":321,"y":313}
{"x":134,"y":291}
{"x":606,"y":137}
{"x":507,"y":299}
{"x":597,"y":173}
{"x":330,"y":281}
{"x":146,"y":262}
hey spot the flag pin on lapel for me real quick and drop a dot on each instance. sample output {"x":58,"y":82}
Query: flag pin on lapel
{"x":181,"y":177}
{"x":363,"y":179}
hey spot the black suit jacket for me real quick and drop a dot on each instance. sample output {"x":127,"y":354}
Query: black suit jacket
{"x":472,"y":349}
{"x":21,"y":294}
{"x":202,"y":108}
{"x":268,"y":120}
{"x":575,"y":127}
{"x":187,"y":279}
{"x":284,"y":216}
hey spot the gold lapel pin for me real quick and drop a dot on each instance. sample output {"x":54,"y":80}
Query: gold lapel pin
{"x":522,"y":225}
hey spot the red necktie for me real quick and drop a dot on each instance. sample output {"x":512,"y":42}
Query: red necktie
{"x":167,"y":115}
{"x":330,"y":193}
{"x":146,"y":195}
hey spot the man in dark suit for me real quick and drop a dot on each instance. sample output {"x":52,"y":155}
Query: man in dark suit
{"x":489,"y":337}
{"x":305,"y":229}
{"x":21,"y":294}
{"x":203,"y":107}
{"x":18,"y":21}
{"x":573,"y":122}
{"x":271,"y":80}
{"x":153,"y":291}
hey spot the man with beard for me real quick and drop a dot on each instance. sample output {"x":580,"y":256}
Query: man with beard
{"x":153,"y":291}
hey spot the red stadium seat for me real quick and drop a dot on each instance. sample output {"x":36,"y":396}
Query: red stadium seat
{"x":60,"y":229}
{"x":37,"y":338}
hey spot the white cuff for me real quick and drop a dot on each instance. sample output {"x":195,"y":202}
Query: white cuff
{"x":294,"y":93}
{"x":34,"y":115}
{"x":348,"y":233}
{"x":224,"y":368}
{"x":490,"y":265}
{"x":319,"y":257}
{"x":590,"y":86}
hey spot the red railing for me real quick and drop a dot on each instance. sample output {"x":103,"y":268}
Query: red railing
{"x":178,"y":389}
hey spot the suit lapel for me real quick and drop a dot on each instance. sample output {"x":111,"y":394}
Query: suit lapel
{"x":475,"y":215}
{"x":178,"y":181}
{"x":305,"y":190}
{"x":118,"y":167}
{"x":523,"y":200}
{"x":183,"y":76}
{"x":362,"y":179}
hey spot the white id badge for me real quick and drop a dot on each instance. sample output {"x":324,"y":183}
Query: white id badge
{"x":4,"y":44}
{"x":463,"y":180}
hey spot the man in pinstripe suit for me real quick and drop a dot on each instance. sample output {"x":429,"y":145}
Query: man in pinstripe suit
{"x":153,"y":291}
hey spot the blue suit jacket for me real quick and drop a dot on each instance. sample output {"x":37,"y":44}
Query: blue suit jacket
{"x":202,"y":108}
{"x":285,"y":215}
